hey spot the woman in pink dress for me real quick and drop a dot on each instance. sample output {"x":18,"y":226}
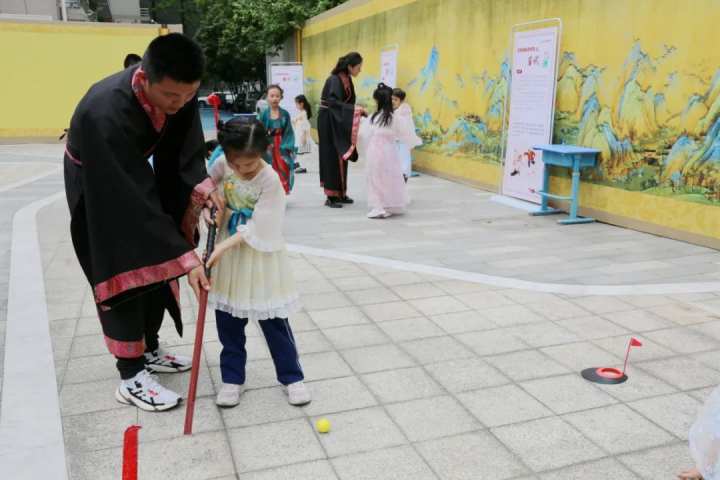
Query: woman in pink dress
{"x":387,"y":191}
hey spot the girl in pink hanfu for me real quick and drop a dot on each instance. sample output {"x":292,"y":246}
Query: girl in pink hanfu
{"x":387,"y":192}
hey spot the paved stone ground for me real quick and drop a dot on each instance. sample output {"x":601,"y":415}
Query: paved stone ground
{"x":18,"y":164}
{"x":459,"y":227}
{"x":422,"y":377}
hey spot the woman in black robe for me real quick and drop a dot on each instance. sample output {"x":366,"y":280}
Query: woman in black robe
{"x":338,"y":123}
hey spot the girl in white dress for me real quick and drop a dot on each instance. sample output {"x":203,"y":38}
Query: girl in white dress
{"x":387,"y":192}
{"x":301,"y":126}
{"x":403,"y":113}
{"x":254,"y":280}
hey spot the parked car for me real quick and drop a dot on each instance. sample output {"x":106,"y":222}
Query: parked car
{"x":228,"y":99}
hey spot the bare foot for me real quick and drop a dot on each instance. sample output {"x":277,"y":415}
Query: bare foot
{"x":692,"y":474}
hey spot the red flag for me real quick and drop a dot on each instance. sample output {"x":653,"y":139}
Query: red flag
{"x":634,"y":342}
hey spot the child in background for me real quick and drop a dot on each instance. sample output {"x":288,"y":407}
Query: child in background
{"x":301,"y":125}
{"x":403,"y":114}
{"x":281,"y":154}
{"x":387,"y":192}
{"x":254,"y":280}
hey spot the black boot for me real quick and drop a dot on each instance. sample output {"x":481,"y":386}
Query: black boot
{"x":333,"y":202}
{"x":346,"y":200}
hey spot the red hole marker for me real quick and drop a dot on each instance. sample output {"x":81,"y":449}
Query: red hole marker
{"x":130,"y":453}
{"x":610,"y":375}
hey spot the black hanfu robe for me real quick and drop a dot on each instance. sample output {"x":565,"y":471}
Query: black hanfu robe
{"x":338,"y":124}
{"x":133,"y":225}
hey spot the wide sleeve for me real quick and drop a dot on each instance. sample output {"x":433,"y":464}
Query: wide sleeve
{"x":263,"y":231}
{"x":704,"y":438}
{"x":132,"y":240}
{"x":218,"y":169}
{"x":288,"y":138}
{"x":404,"y":127}
{"x":364,"y":134}
{"x":344,"y":117}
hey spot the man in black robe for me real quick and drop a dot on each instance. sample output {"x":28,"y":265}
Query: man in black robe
{"x":133,"y":225}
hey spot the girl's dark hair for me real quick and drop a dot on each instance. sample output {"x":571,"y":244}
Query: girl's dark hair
{"x":210,"y":145}
{"x":383,"y":98}
{"x":399,"y":93}
{"x":244,"y":135}
{"x":301,"y":99}
{"x":274,"y":85}
{"x":349,"y":60}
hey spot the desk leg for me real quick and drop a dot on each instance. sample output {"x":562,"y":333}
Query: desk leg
{"x":545,"y":189}
{"x":574,"y":198}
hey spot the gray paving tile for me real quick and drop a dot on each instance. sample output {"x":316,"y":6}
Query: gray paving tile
{"x":361,"y":282}
{"x":338,"y":317}
{"x":602,"y":304}
{"x":319,"y":366}
{"x":273,"y":445}
{"x":547,"y":444}
{"x":592,"y":327}
{"x":638,"y":320}
{"x":377,"y":358}
{"x":438,"y":305}
{"x":354,"y":336}
{"x":640,"y":385}
{"x":656,"y":463}
{"x":461,"y":322}
{"x":360,"y":431}
{"x":381,"y":312}
{"x":557,"y":309}
{"x":317,"y":470}
{"x":510,"y":315}
{"x":324,"y":301}
{"x":337,"y":395}
{"x":201,"y":456}
{"x":543,"y":334}
{"x":433,"y":417}
{"x":682,"y":372}
{"x":260,"y":406}
{"x":675,"y":413}
{"x":503,"y":405}
{"x":683,"y":340}
{"x":372,"y":296}
{"x":436,"y":349}
{"x":618,"y":429}
{"x":411,"y":329}
{"x":466,"y":374}
{"x":599,"y":470}
{"x":457,"y":458}
{"x":649,"y":351}
{"x":526,"y":364}
{"x":581,"y":355}
{"x":401,"y":385}
{"x":389,"y":464}
{"x":97,"y":430}
{"x":567,"y":393}
{"x":492,"y":342}
{"x":418,"y":290}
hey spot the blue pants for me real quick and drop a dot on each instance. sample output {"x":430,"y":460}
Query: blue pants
{"x":280,"y":340}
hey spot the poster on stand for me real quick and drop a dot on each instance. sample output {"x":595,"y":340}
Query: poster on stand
{"x":531,"y":111}
{"x":290,"y":77}
{"x":388,"y":67}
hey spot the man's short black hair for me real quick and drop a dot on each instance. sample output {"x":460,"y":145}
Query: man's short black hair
{"x":132,"y":59}
{"x":175,"y":56}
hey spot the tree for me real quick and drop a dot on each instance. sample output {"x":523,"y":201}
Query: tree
{"x":237,"y":34}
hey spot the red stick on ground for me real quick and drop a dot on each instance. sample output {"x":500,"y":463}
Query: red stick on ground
{"x":634,"y":342}
{"x":130,"y":453}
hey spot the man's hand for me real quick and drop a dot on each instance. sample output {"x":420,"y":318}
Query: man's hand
{"x":198,"y":280}
{"x":217,"y":200}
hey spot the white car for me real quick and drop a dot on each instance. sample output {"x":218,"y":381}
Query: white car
{"x":228,"y":98}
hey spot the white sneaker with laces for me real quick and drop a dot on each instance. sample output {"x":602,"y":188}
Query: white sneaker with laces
{"x":298,"y":394}
{"x":144,"y":391}
{"x":160,"y":361}
{"x":229,"y":395}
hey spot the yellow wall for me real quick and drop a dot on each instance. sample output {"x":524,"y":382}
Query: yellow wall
{"x":47,"y":67}
{"x":634,"y":81}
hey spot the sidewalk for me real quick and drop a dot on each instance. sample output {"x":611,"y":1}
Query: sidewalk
{"x":422,"y":376}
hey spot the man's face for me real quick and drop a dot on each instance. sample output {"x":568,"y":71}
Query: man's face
{"x":169,"y":95}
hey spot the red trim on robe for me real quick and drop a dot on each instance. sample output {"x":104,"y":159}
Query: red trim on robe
{"x":278,"y":163}
{"x":157,"y":117}
{"x":198,"y":197}
{"x":71,"y":156}
{"x":143,"y":276}
{"x":357,"y":115}
{"x":124,"y":349}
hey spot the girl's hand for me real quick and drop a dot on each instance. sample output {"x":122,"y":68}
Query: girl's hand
{"x":222,"y":247}
{"x":692,"y":474}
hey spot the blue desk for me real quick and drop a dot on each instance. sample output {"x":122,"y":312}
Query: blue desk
{"x":567,"y":156}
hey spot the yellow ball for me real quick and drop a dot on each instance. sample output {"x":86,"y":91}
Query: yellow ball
{"x":323,"y":425}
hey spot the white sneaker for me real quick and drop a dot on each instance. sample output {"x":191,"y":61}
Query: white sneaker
{"x":144,"y":391}
{"x":298,"y":394}
{"x":160,"y":361}
{"x":229,"y":395}
{"x":378,"y":213}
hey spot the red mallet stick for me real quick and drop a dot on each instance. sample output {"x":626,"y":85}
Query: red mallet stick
{"x":199,"y":330}
{"x":634,"y":342}
{"x":130,"y":453}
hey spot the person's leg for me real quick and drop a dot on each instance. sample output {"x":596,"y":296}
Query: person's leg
{"x":124,"y":330}
{"x":156,"y":358}
{"x":233,"y":357}
{"x":281,"y":344}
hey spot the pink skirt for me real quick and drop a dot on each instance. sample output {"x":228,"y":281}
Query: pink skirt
{"x":386,"y":185}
